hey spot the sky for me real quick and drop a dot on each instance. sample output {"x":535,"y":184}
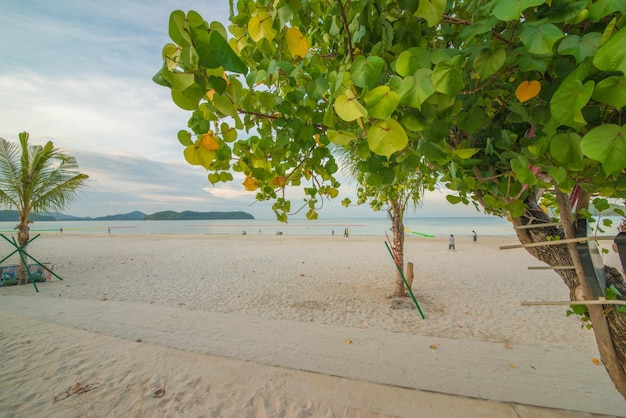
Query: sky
{"x":79,"y":73}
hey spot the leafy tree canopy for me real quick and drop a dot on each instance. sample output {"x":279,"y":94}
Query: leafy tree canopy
{"x":500,"y":96}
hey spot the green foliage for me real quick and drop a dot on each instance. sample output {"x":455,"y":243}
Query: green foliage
{"x":37,"y":179}
{"x":500,"y":97}
{"x":613,"y":294}
{"x":582,"y":313}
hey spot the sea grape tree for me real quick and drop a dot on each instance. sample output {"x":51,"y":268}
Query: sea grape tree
{"x":508,"y":100}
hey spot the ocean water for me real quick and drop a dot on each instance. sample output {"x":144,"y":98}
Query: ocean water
{"x":492,"y":226}
{"x":437,"y":226}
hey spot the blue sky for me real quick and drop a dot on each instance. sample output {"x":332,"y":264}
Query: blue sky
{"x":79,"y":73}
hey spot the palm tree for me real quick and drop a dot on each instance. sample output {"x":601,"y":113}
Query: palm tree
{"x":35,"y":178}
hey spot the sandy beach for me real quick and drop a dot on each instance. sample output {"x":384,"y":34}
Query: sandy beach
{"x":266,"y":325}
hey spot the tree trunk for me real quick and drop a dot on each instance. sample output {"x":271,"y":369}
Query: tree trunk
{"x":397,"y":227}
{"x":609,"y":325}
{"x":23,"y":235}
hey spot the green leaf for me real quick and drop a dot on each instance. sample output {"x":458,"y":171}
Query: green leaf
{"x":539,"y":38}
{"x":607,"y":144}
{"x":415,"y":90}
{"x":569,"y":99}
{"x":580,"y":48}
{"x":611,"y":56}
{"x":381,"y":102}
{"x":523,"y":173}
{"x":224,"y":105}
{"x":189,"y":98}
{"x":478,"y":28}
{"x":558,"y":174}
{"x":431,"y":10}
{"x":465,"y":153}
{"x":447,"y":79}
{"x":228,"y":133}
{"x":366,"y":71}
{"x":348,"y":107}
{"x":225,"y":55}
{"x":184,"y":137}
{"x":411,"y":60}
{"x":386,"y":137}
{"x":414,"y":121}
{"x":199,"y":156}
{"x":318,"y":88}
{"x":340,"y":137}
{"x":432,"y":151}
{"x":602,"y":8}
{"x":494,"y":202}
{"x":565,"y":149}
{"x":512,"y":9}
{"x":611,"y":91}
{"x":471,"y":120}
{"x":453,"y":199}
{"x":487,"y":62}
{"x":177,"y":28}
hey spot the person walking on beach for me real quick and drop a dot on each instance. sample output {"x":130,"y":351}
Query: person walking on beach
{"x":451,"y":243}
{"x":474,"y":236}
{"x":346,"y":233}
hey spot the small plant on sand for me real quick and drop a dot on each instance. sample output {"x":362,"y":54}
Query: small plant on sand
{"x":35,"y":178}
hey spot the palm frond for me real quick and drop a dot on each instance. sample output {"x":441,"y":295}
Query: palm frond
{"x":40,"y":179}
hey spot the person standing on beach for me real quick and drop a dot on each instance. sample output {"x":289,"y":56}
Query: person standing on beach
{"x":474,"y":236}
{"x":346,"y":233}
{"x":451,"y":245}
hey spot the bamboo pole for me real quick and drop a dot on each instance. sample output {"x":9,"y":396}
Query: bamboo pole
{"x":540,"y":225}
{"x":551,"y":268}
{"x":556,"y":242}
{"x":577,"y":302}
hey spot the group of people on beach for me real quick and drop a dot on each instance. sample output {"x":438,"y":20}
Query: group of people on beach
{"x":452,"y":241}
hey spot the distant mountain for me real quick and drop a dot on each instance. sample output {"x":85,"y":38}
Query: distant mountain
{"x":131,"y":216}
{"x":189,"y":215}
{"x":62,"y":217}
{"x":12,"y":216}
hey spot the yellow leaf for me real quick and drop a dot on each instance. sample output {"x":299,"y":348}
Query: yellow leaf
{"x":508,"y":347}
{"x":513,"y":366}
{"x":209,"y":142}
{"x":210,"y":94}
{"x":433,"y":346}
{"x":348,"y":108}
{"x":317,"y":140}
{"x":260,"y":27}
{"x":278,"y":181}
{"x":595,"y":361}
{"x":348,"y":341}
{"x":296,"y":43}
{"x":250,"y":183}
{"x":527,"y":90}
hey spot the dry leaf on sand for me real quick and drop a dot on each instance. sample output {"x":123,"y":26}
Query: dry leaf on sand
{"x":73,"y":390}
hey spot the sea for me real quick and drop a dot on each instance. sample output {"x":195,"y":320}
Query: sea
{"x":418,"y":226}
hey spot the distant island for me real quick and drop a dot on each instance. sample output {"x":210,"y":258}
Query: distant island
{"x":13,"y":216}
{"x":192,"y":216}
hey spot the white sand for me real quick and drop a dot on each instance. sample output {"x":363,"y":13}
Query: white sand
{"x":215,"y":315}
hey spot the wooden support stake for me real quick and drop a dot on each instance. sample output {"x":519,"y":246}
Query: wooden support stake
{"x":556,"y":242}
{"x":409,"y":274}
{"x":541,"y":225}
{"x":577,"y":302}
{"x":551,"y":268}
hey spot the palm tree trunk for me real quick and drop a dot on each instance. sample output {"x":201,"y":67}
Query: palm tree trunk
{"x":23,"y":235}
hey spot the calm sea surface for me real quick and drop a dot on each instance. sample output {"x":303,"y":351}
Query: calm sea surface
{"x":485,"y":226}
